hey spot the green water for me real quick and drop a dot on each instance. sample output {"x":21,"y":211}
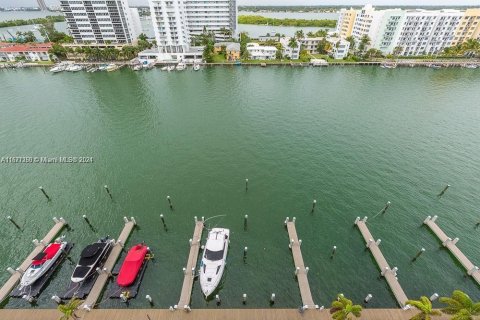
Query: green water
{"x":352,"y":138}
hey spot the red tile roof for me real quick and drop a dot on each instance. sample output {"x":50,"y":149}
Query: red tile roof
{"x":29,"y":47}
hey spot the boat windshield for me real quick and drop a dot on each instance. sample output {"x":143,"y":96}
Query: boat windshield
{"x":213,"y":255}
{"x":38,"y":266}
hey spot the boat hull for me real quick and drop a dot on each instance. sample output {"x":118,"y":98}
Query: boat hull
{"x":214,"y":260}
{"x":35,"y":272}
{"x":91,"y":257}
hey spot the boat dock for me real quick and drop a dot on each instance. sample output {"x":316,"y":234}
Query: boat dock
{"x":389,"y":274}
{"x":451,"y":245}
{"x":17,"y":274}
{"x":209,"y":314}
{"x":103,"y":277}
{"x":188,"y":279}
{"x":300,"y":270}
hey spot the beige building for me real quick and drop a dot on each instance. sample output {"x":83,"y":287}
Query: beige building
{"x":345,"y":22}
{"x":469,"y":26}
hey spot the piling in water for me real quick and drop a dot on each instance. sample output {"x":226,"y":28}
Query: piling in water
{"x":245,"y":222}
{"x":333,"y":252}
{"x":246,"y":185}
{"x":14,"y":223}
{"x":44,"y":193}
{"x":108,"y":191}
{"x":170,"y":202}
{"x":419,"y":253}
{"x":245,"y":254}
{"x":444,"y":189}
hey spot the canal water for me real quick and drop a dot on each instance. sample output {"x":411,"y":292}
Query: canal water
{"x":352,"y":138}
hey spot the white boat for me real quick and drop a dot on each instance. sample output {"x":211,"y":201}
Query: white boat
{"x":181,"y":66}
{"x":471,"y":66}
{"x":149,"y":66}
{"x":103,"y":67}
{"x":196,"y":67}
{"x":74,"y":68}
{"x":42,"y":262}
{"x":137,"y":67}
{"x":92,"y":69}
{"x":387,"y":65}
{"x":214,"y":260}
{"x":112,"y":67}
{"x":90,"y":259}
{"x":435,"y":66}
{"x":170,"y":68}
{"x":58,"y":68}
{"x":164,"y":68}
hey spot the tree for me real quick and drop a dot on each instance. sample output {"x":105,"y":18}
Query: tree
{"x":58,"y":50}
{"x":324,"y":46}
{"x":351,"y":39}
{"x":364,"y":43}
{"x":292,"y":43}
{"x":68,"y":310}
{"x":425,"y":307}
{"x":208,"y":53}
{"x":461,"y":306}
{"x":278,"y":54}
{"x":299,"y":34}
{"x":244,"y":39}
{"x":142,"y":36}
{"x":373,"y":53}
{"x":343,"y":307}
{"x":321,"y":33}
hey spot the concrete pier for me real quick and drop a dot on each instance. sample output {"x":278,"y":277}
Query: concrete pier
{"x":451,"y":245}
{"x":387,"y":272}
{"x":102,"y":278}
{"x":191,"y":263}
{"x":15,"y":278}
{"x":301,"y":271}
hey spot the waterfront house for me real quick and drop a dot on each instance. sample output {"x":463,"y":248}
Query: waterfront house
{"x":28,"y":52}
{"x":340,"y":48}
{"x":292,"y":53}
{"x":233,"y":51}
{"x":258,"y":52}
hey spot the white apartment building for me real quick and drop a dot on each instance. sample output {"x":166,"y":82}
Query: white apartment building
{"x":176,"y":21}
{"x":427,"y":32}
{"x":258,"y":52}
{"x":340,"y":47}
{"x":410,"y":32}
{"x":101,"y":21}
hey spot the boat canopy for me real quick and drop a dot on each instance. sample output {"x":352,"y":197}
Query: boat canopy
{"x":214,"y":255}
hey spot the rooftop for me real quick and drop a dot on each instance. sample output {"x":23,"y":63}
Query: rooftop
{"x":28,"y":47}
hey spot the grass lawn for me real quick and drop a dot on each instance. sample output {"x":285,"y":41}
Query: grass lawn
{"x":219,"y":58}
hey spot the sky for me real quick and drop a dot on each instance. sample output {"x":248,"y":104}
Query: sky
{"x":476,"y":3}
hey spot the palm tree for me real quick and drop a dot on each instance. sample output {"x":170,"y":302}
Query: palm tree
{"x":68,"y":309}
{"x":425,"y":307}
{"x":461,"y":306}
{"x":299,"y":34}
{"x":343,"y":307}
{"x":292,"y":43}
{"x":351,"y":39}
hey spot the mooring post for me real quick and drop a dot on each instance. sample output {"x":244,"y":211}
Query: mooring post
{"x":11,"y":271}
{"x":56,"y":299}
{"x":306,"y":270}
{"x":293,"y":219}
{"x":108,"y":191}
{"x":288,"y":219}
{"x":272,"y":299}
{"x":333,"y":252}
{"x":217,"y":299}
{"x":434,"y":297}
{"x":245,"y":254}
{"x":245,"y":222}
{"x":444,"y":189}
{"x":368,"y":298}
{"x":313,"y":205}
{"x":419,"y":253}
{"x":12,"y":221}
{"x":163,"y":221}
{"x":44,"y":193}
{"x":386,"y":207}
{"x":170,"y":202}
{"x":246,"y":185}
{"x":149,"y":299}
{"x":244,"y":298}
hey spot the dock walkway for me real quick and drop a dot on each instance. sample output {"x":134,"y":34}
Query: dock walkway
{"x":389,"y":274}
{"x":15,"y":278}
{"x":451,"y":245}
{"x":102,"y":279}
{"x":300,"y":269}
{"x":190,"y":268}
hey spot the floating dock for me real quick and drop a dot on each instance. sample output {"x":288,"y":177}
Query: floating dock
{"x":103,"y":277}
{"x":389,"y":274}
{"x":451,"y":245}
{"x":191,"y":264}
{"x":17,"y":275}
{"x":300,"y":269}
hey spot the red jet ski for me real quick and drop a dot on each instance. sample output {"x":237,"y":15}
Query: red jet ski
{"x":132,"y":265}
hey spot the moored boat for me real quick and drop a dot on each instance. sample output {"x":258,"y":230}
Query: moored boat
{"x":181,"y":66}
{"x":90,"y":258}
{"x":112,"y":67}
{"x":196,"y":67}
{"x":435,"y":66}
{"x":471,"y":66}
{"x":132,"y":264}
{"x":170,"y":68}
{"x":74,"y":68}
{"x":388,"y":65}
{"x":103,"y":67}
{"x":58,"y":68}
{"x":42,"y":262}
{"x":214,"y":260}
{"x":137,"y":67}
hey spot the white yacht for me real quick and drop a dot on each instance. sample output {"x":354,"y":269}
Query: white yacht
{"x":58,"y":68}
{"x":181,"y":66}
{"x":170,"y":68}
{"x":196,"y":67}
{"x":112,"y":67}
{"x":214,"y":259}
{"x":42,"y":262}
{"x":74,"y":68}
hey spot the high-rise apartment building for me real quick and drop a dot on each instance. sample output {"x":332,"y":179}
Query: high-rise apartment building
{"x":101,"y":21}
{"x":176,"y":21}
{"x":42,"y":5}
{"x":411,"y":32}
{"x":345,"y":22}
